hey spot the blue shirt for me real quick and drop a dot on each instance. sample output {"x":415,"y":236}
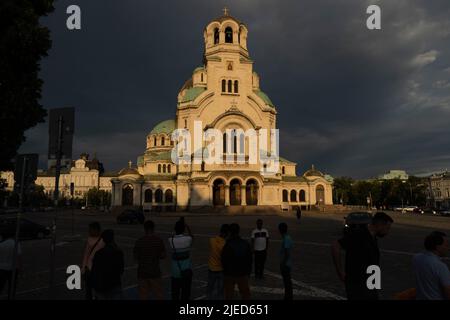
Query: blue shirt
{"x":431,"y":276}
{"x":286,"y":247}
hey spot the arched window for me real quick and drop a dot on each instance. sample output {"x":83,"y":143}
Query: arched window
{"x":148,"y":195}
{"x":283,"y":171}
{"x":230,"y":85}
{"x":201,"y":77}
{"x":285,"y":196}
{"x":159,"y":168}
{"x":236,"y":86}
{"x":224,"y":143}
{"x":302,"y":196}
{"x":168,"y":168}
{"x":163,"y":140}
{"x":154,"y":141}
{"x":242,"y":143}
{"x":228,"y":35}
{"x":293,"y":196}
{"x":159,"y":196}
{"x":185,"y":123}
{"x":216,"y":35}
{"x":234,"y":142}
{"x":224,"y":85}
{"x":164,"y":168}
{"x":169,"y":196}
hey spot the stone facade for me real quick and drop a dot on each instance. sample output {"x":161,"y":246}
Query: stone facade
{"x":440,"y":190}
{"x":223,"y":94}
{"x":84,"y":173}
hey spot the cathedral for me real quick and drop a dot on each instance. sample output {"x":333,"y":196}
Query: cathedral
{"x":225,"y":94}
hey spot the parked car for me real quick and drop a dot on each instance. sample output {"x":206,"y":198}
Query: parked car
{"x":130,"y":216}
{"x":356,"y":220}
{"x":28,"y":229}
{"x":445,"y":212}
{"x":410,"y":208}
{"x":428,"y":211}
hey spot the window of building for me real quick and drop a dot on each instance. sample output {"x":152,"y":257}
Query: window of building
{"x":168,"y":168}
{"x":224,"y":143}
{"x":236,"y":86}
{"x":224,"y":85}
{"x":164,"y":168}
{"x":163,"y":140}
{"x":154,"y":141}
{"x":216,"y":35}
{"x":283,"y":170}
{"x":201,"y":77}
{"x":228,"y":35}
{"x":159,"y":168}
{"x":230,"y":85}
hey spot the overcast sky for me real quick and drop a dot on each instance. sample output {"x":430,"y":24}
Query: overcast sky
{"x":351,"y":101}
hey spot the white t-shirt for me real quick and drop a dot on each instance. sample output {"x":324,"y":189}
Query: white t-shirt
{"x":260,"y":239}
{"x":7,"y":254}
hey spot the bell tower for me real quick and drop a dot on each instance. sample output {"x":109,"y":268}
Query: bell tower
{"x":226,"y":34}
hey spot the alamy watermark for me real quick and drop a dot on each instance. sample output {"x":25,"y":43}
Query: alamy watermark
{"x":234,"y":146}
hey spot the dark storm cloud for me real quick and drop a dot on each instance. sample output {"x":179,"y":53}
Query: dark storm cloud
{"x":351,"y":101}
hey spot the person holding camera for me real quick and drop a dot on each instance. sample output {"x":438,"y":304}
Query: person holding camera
{"x":181,"y":268}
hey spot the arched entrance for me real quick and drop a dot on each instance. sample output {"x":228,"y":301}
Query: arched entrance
{"x":159,"y":196}
{"x":320,"y":195}
{"x":169,"y":196}
{"x":219,"y":192}
{"x":127,"y":195}
{"x":285,"y":195}
{"x":235,"y":192}
{"x":251,"y":192}
{"x":148,"y":195}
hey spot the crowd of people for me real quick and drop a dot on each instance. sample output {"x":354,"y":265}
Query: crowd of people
{"x":229,"y":263}
{"x":231,"y":260}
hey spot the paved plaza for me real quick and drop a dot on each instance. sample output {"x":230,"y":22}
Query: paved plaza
{"x":313,"y":272}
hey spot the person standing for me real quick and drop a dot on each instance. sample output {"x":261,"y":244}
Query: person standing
{"x":260,"y":245}
{"x":285,"y":260}
{"x":7,"y":247}
{"x":299,"y":213}
{"x":181,"y":245}
{"x":237,"y":264}
{"x":93,"y":244}
{"x":148,"y":251}
{"x":215,"y":287}
{"x":361,"y":251}
{"x":107,"y":269}
{"x":431,"y":273}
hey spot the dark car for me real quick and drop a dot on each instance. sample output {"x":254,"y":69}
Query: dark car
{"x":28,"y":229}
{"x":355,"y":221}
{"x":131,"y":216}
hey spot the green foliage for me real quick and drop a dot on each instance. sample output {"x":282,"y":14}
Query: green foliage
{"x":98,"y":198}
{"x":386,"y":193}
{"x":23,"y":42}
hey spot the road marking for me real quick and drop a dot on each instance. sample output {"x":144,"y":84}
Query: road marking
{"x":310,"y":291}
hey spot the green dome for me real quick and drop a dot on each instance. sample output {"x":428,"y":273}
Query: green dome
{"x":192,"y":93}
{"x":264,"y":97}
{"x":166,"y":126}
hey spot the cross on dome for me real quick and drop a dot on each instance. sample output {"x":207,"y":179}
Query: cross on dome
{"x":226,"y":12}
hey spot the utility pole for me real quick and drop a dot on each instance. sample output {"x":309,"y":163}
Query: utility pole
{"x":55,"y":201}
{"x":17,"y":234}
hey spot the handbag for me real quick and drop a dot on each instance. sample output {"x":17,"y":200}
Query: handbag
{"x":185,"y":274}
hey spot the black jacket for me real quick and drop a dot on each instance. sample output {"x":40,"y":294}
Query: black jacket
{"x":107,"y":268}
{"x":237,"y":258}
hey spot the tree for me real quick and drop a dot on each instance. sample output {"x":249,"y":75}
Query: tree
{"x":23,"y":42}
